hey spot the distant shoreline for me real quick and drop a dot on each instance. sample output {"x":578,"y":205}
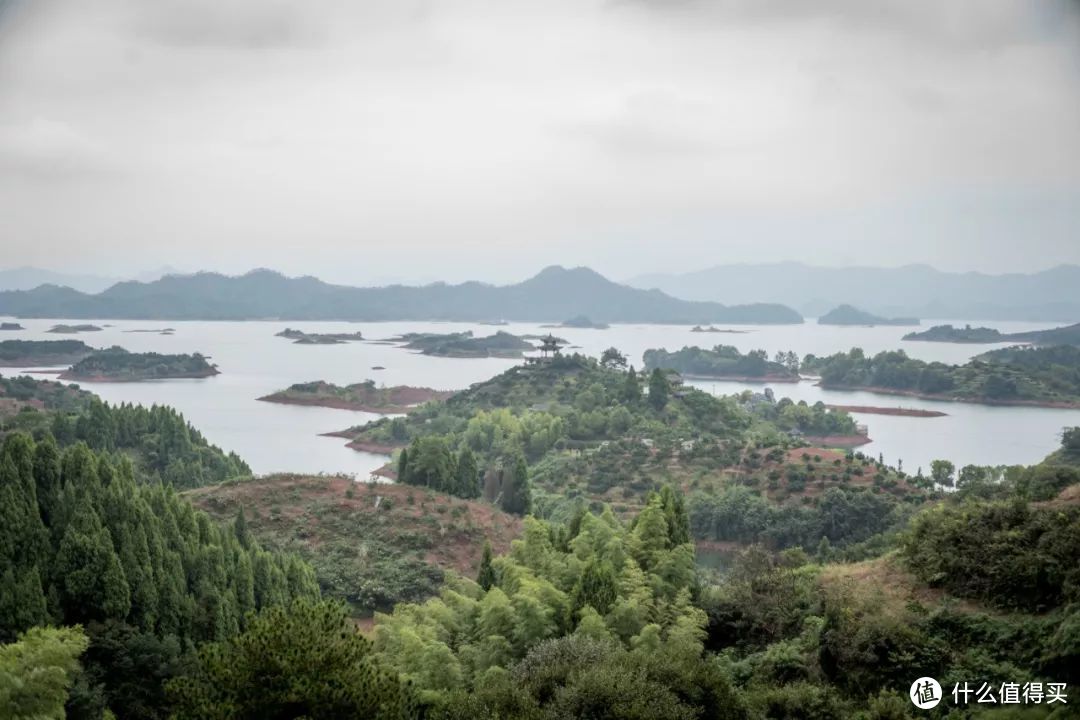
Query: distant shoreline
{"x":875,"y":410}
{"x":68,"y":375}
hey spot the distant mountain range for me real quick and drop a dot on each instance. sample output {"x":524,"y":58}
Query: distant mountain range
{"x":912,"y":290}
{"x":28,"y":278}
{"x":553,"y":295}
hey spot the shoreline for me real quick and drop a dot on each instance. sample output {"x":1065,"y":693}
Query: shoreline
{"x":899,"y":411}
{"x":837,"y":441}
{"x":743,"y":378}
{"x":1051,"y":404}
{"x":342,"y":404}
{"x":67,"y":375}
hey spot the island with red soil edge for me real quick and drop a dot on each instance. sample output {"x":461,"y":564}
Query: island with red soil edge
{"x":118,"y":365}
{"x":364,"y":396}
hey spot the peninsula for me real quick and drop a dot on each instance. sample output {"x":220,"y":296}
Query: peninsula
{"x":42,"y":353}
{"x":1067,"y":335}
{"x":1044,"y":377}
{"x":850,"y":315}
{"x":118,"y":365}
{"x":363,"y":397}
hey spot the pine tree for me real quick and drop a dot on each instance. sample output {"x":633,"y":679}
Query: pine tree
{"x":659,"y":390}
{"x":240,"y":529}
{"x":468,"y":475}
{"x":403,"y":465}
{"x":485,"y":578}
{"x":631,"y":387}
{"x":517,"y":494}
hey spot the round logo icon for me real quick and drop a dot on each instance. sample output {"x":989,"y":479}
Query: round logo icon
{"x":925,"y":693}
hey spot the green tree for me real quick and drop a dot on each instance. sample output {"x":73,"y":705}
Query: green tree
{"x":612,"y":358}
{"x":468,"y":475}
{"x":307,"y":660}
{"x":659,"y":389}
{"x":631,"y":391}
{"x":485,"y":578}
{"x":516,"y":492}
{"x":941,"y":471}
{"x":36,"y":672}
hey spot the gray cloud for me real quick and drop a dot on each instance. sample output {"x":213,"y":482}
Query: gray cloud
{"x":408,"y":138}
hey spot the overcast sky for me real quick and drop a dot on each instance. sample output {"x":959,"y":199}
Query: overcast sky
{"x":412,"y":140}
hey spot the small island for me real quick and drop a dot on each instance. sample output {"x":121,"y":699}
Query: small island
{"x":1042,"y":377}
{"x":362,"y":397}
{"x":299,"y":337}
{"x":581,"y":322}
{"x":1068,"y":335}
{"x":159,"y":331}
{"x":850,"y":315}
{"x":118,"y":365}
{"x":72,"y":329}
{"x":725,"y":362}
{"x":464,"y":345}
{"x":11,"y":326}
{"x":42,"y":353}
{"x":711,"y":329}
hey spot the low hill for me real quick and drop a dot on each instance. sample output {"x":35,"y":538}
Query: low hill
{"x":723,"y":362}
{"x":371,"y":544}
{"x":118,"y":365}
{"x":554,"y":294}
{"x":42,"y":353}
{"x":850,"y":315}
{"x":1068,"y":335}
{"x":915,"y":290}
{"x":364,"y":397}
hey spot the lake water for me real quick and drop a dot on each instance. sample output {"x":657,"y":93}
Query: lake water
{"x":273,"y":437}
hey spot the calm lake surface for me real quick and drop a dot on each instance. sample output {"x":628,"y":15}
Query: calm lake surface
{"x":273,"y":437}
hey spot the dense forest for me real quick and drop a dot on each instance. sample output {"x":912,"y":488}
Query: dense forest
{"x":163,"y":446}
{"x":1048,"y":375}
{"x":116,"y":363}
{"x":844,"y":578}
{"x":725,"y":361}
{"x":140,"y":576}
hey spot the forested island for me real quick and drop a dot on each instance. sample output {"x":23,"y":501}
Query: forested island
{"x":847,"y":577}
{"x":1047,"y":377}
{"x":300,"y":337}
{"x":363,"y":397}
{"x":118,"y":365}
{"x":11,"y":326}
{"x":72,"y":329}
{"x":725,"y":362}
{"x":582,"y":322}
{"x":850,"y":315}
{"x":552,"y":295}
{"x":1068,"y":335}
{"x":465,"y":345}
{"x":711,"y":329}
{"x":42,"y":353}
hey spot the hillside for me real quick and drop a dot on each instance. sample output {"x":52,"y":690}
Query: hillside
{"x":552,"y":295}
{"x":370,"y":544}
{"x":849,"y":315}
{"x":911,"y":290}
